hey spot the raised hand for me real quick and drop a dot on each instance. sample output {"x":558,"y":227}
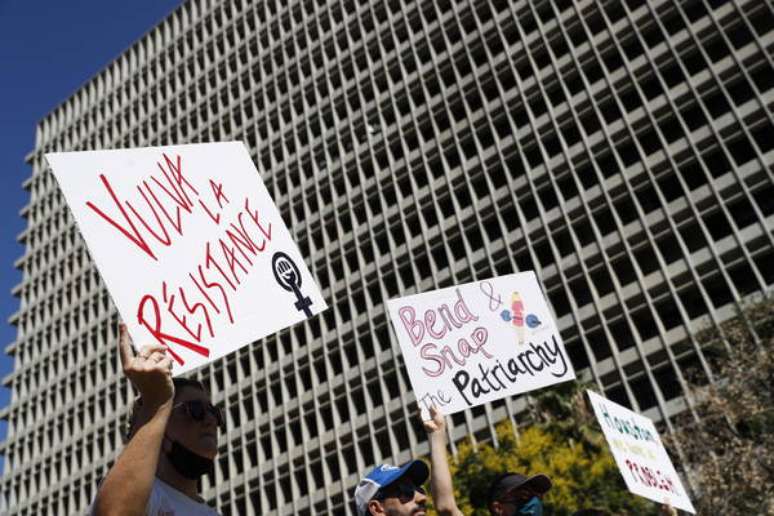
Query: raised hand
{"x":440,"y":476}
{"x":437,"y":423}
{"x":128,"y":485}
{"x":150,"y":371}
{"x":667,"y":510}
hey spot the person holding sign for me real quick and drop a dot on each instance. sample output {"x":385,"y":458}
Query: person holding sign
{"x":440,"y":476}
{"x":173,"y":440}
{"x":509,"y":494}
{"x":397,"y":491}
{"x":393,"y":490}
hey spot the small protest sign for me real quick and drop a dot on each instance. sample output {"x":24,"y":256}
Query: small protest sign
{"x":471,"y":344}
{"x":639,"y":454}
{"x":190,"y":246}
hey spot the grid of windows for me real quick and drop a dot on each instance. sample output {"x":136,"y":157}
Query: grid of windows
{"x":623,"y":151}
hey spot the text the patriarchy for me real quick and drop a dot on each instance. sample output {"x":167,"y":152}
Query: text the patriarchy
{"x":475,"y":343}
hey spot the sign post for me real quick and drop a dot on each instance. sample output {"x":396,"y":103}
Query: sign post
{"x":471,"y":344}
{"x":190,"y":246}
{"x":639,"y":454}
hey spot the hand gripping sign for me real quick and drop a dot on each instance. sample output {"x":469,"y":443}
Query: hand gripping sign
{"x":639,"y":454}
{"x":190,"y":245}
{"x":471,"y":344}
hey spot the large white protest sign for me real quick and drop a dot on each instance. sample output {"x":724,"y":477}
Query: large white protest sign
{"x":475,"y":343}
{"x":190,"y":246}
{"x":639,"y":454}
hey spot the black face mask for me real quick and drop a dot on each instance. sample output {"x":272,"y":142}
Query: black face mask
{"x":189,"y":464}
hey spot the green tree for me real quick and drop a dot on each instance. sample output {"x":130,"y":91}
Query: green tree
{"x":562,"y":442}
{"x":729,"y":446}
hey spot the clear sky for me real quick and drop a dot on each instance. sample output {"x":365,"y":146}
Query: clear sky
{"x":48,"y":49}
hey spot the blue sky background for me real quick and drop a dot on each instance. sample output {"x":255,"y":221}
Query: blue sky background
{"x":47,"y":50}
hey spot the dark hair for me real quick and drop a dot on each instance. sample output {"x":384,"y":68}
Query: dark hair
{"x":591,"y":512}
{"x":179,"y":383}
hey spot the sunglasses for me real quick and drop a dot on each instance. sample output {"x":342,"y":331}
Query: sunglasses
{"x":403,"y":491}
{"x":198,"y":409}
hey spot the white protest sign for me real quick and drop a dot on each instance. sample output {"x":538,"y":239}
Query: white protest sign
{"x":471,"y":344}
{"x":639,"y":454}
{"x":190,"y":246}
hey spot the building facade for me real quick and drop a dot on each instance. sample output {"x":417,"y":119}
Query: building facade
{"x":622,"y":150}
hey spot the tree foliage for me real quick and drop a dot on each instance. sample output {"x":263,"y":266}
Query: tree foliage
{"x":563,"y":443}
{"x":729,"y":447}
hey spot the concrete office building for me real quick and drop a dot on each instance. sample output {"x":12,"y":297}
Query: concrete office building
{"x":624,"y":152}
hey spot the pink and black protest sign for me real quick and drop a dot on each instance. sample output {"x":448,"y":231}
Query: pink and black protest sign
{"x":475,"y":343}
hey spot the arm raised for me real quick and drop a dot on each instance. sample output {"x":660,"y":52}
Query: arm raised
{"x":127,"y":486}
{"x":440,"y":477}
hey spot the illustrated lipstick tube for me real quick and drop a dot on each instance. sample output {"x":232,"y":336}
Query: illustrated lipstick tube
{"x":517,"y":309}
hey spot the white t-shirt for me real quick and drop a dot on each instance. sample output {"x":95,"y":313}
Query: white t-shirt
{"x":165,"y":500}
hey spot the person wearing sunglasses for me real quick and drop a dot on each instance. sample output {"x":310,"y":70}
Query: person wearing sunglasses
{"x":515,"y":494}
{"x":172,"y":440}
{"x":392,"y":490}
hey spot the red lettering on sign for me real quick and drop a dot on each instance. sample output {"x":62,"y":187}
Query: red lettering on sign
{"x":217,"y":191}
{"x":220,"y":289}
{"x":209,"y":259}
{"x":254,"y":216}
{"x":135,"y":236}
{"x":165,"y":240}
{"x":161,"y":337}
{"x":179,"y":179}
{"x":177,"y":190}
{"x":215,"y":218}
{"x":231,"y":260}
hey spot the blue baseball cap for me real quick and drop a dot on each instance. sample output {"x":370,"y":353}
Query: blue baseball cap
{"x":384,"y":475}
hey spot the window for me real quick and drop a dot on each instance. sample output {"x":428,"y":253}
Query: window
{"x":624,"y":270}
{"x":583,"y":232}
{"x":742,"y":212}
{"x":599,"y":344}
{"x":717,"y":224}
{"x":602,"y":281}
{"x":669,"y":248}
{"x":763,"y":197}
{"x":716,"y":162}
{"x":717,"y":104}
{"x":626,"y":210}
{"x":693,"y":116}
{"x":605,"y":220}
{"x":646,"y":325}
{"x":622,"y":334}
{"x":741,"y":151}
{"x":628,"y":154}
{"x":692,"y":302}
{"x":743,"y":278}
{"x":693,"y":237}
{"x":548,"y":198}
{"x":559,"y":302}
{"x":646,"y":259}
{"x":717,"y":290}
{"x":643,"y":392}
{"x":764,"y":136}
